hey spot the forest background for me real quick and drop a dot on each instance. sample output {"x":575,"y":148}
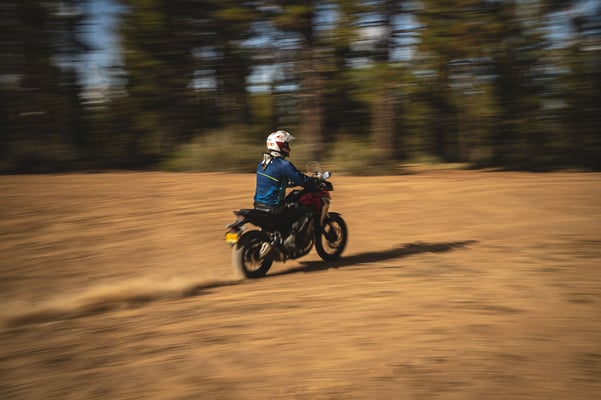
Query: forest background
{"x":366,"y":86}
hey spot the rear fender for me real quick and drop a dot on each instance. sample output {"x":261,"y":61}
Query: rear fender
{"x":251,"y":236}
{"x":258,"y":218}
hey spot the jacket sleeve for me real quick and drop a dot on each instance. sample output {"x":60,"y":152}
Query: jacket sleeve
{"x":295,"y":175}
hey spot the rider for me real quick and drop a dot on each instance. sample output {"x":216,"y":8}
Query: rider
{"x":275,"y":174}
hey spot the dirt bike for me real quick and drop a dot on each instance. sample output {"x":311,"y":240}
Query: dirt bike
{"x":258,"y":237}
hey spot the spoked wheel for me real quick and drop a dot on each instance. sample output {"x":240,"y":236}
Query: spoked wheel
{"x":246,"y":258}
{"x":331,"y":239}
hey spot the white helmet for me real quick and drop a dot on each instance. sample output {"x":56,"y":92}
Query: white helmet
{"x":280,"y":141}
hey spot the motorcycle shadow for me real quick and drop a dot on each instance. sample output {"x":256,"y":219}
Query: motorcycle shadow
{"x":376,"y":256}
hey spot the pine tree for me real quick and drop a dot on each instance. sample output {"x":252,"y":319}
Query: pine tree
{"x":40,"y":112}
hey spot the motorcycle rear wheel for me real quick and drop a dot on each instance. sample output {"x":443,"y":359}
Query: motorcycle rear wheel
{"x":331,"y":239}
{"x":245,"y":255}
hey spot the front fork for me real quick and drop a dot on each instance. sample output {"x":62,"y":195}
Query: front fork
{"x":325,"y":207}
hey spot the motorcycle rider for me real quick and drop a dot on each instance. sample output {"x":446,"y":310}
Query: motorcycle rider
{"x":274,"y":174}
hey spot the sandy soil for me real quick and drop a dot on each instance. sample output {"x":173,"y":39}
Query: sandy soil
{"x":454,"y":285}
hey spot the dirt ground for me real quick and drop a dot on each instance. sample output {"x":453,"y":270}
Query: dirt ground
{"x":454,"y":285}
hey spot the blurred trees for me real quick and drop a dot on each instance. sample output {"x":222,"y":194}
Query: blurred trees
{"x":296,"y":20}
{"x":42,"y":120}
{"x":488,"y":83}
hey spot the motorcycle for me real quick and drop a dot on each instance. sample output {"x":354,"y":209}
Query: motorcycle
{"x":258,"y":238}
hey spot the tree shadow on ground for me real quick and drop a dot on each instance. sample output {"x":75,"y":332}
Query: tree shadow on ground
{"x":403,"y":250}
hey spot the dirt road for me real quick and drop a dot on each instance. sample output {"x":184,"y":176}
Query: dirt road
{"x":454,"y":285}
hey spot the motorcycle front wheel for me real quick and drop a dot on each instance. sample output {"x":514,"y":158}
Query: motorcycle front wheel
{"x":331,"y":238}
{"x":245,"y":255}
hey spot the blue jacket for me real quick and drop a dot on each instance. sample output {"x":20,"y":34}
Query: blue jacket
{"x":272,"y":180}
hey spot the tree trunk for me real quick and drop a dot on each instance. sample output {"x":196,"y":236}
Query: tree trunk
{"x":383,"y":132}
{"x":310,"y":105}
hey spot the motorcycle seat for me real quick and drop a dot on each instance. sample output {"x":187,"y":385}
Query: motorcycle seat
{"x":246,"y":211}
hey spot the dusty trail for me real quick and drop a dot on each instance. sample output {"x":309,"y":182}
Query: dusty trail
{"x":455,"y":285}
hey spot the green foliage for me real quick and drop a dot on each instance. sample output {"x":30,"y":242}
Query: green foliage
{"x":233,"y":150}
{"x":230,"y":149}
{"x":352,"y":156}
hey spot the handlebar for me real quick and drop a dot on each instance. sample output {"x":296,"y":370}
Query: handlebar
{"x":318,"y":180}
